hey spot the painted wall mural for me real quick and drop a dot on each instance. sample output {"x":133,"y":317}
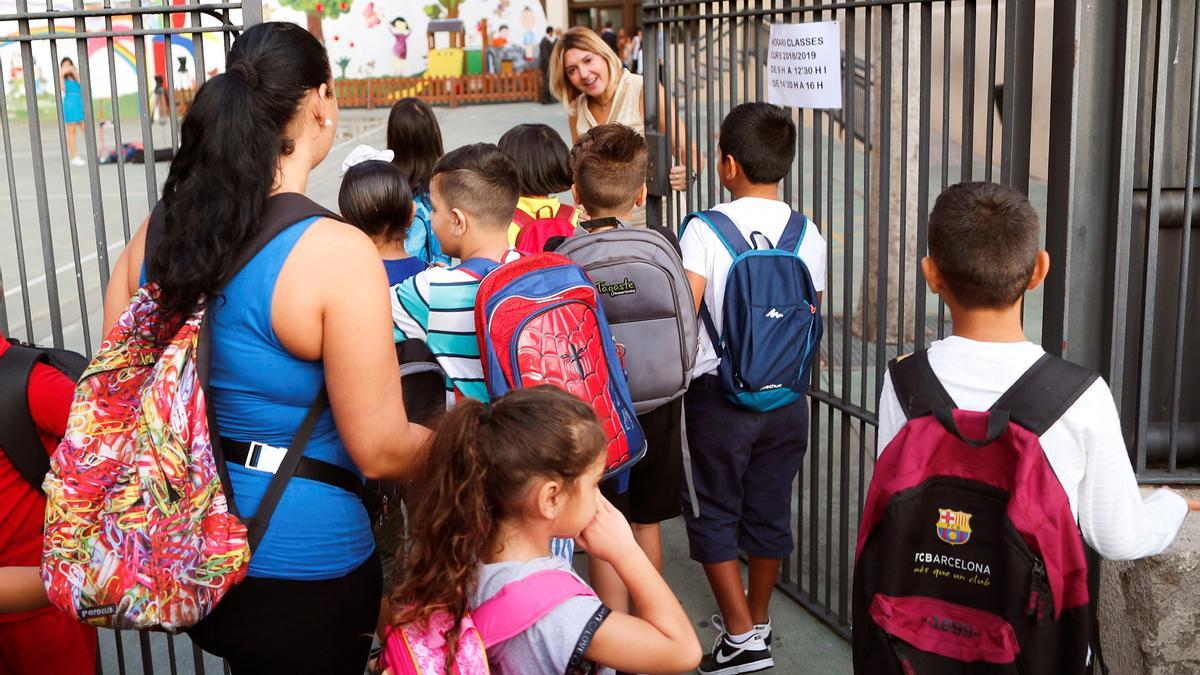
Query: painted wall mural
{"x":375,"y":38}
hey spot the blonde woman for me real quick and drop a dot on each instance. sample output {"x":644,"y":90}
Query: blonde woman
{"x":589,"y":79}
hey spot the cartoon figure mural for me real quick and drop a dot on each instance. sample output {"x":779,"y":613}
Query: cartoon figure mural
{"x":390,"y":35}
{"x":529,"y":38}
{"x":400,"y":31}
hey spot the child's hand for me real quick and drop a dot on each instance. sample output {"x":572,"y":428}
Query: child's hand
{"x":608,"y":537}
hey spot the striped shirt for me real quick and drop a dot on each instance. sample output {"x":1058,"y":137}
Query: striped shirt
{"x":438,"y":306}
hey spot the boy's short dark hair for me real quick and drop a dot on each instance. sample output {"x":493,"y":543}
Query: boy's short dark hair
{"x":762,"y":138}
{"x":541,"y":156}
{"x":480,"y":179}
{"x":376,"y":198}
{"x":984,"y":239}
{"x":609,"y":162}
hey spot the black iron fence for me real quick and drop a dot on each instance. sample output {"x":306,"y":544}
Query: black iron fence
{"x":923,"y":86}
{"x":66,"y":218}
{"x":1121,"y":214}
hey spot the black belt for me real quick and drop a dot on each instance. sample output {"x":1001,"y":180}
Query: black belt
{"x":238,"y":452}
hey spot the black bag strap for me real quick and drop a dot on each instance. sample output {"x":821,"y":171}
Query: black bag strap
{"x":1098,"y":666}
{"x":1047,"y":390}
{"x":19,"y":439}
{"x":280,"y":212}
{"x":256,"y":525}
{"x":917,"y":388}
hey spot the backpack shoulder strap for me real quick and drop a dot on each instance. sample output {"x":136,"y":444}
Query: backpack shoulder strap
{"x":523,"y":603}
{"x":565,"y":213}
{"x":726,"y":231}
{"x":19,"y":439}
{"x":478,"y":267}
{"x":521,"y":218}
{"x":280,"y":212}
{"x":916,"y":386}
{"x":793,"y":233}
{"x":1047,"y":390}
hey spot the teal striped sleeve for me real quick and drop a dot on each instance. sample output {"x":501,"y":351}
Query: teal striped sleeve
{"x":410,"y":310}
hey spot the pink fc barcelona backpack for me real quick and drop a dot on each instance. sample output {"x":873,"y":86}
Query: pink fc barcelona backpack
{"x":420,"y":649}
{"x":969,"y":559}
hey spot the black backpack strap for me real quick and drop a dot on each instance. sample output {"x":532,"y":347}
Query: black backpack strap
{"x":917,"y":388}
{"x":1047,"y":390}
{"x":256,"y":525}
{"x":18,"y":434}
{"x":1098,"y":666}
{"x":279,"y":213}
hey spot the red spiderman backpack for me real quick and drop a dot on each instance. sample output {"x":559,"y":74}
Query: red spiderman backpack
{"x":969,"y":558}
{"x":536,"y":231}
{"x":539,"y":321}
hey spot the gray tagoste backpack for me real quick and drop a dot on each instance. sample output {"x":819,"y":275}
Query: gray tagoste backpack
{"x":649,"y":305}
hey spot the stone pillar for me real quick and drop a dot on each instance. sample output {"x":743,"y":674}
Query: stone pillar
{"x":1150,"y":608}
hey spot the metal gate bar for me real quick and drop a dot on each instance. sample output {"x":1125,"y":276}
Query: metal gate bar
{"x":712,"y":57}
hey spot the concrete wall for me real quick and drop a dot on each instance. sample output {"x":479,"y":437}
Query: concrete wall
{"x":1150,"y":609}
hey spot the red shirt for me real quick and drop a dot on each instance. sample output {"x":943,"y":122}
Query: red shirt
{"x":22,"y":508}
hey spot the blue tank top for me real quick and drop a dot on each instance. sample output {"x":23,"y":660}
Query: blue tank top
{"x":260,"y":393}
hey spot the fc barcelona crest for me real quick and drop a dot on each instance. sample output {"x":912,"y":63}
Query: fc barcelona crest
{"x":953,"y":527}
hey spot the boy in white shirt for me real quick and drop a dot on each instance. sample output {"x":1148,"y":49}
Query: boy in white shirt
{"x":983,"y":257}
{"x":743,"y":462}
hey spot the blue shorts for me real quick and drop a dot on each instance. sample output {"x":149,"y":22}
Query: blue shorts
{"x":744,"y":464}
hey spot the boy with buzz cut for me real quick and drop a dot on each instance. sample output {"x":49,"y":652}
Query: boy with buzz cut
{"x":609,"y":163}
{"x":983,"y":257}
{"x":473,"y":192}
{"x":743,"y":462}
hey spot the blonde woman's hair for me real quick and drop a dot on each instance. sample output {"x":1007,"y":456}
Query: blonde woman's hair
{"x":580,"y":37}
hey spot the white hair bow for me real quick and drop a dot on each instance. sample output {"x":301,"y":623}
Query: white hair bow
{"x":365,"y":153}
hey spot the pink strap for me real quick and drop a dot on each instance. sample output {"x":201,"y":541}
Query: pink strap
{"x":565,"y":212}
{"x":524,"y":602}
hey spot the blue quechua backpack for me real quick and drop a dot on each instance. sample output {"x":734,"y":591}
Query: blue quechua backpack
{"x":772,"y":320}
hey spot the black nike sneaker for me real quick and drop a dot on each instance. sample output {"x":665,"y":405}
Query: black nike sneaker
{"x":730,"y":658}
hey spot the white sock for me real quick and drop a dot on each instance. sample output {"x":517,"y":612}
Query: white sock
{"x":738,"y":639}
{"x":766,"y":627}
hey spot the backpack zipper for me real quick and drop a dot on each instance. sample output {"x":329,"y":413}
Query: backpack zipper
{"x":1036,"y":605}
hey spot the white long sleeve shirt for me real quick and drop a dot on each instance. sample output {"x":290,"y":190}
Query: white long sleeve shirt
{"x":1085,"y":446}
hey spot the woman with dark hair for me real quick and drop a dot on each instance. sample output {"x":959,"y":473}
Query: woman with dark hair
{"x":309,"y":311}
{"x":414,"y":136}
{"x":544,"y":170}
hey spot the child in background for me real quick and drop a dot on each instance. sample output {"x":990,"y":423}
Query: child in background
{"x":533,"y":461}
{"x":983,"y":279}
{"x":744,"y":462}
{"x":473,"y":192}
{"x":415,"y":138}
{"x":544,"y":168}
{"x":376,"y":199}
{"x":35,"y":638}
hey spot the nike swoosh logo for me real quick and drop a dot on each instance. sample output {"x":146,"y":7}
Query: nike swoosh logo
{"x":722,"y":658}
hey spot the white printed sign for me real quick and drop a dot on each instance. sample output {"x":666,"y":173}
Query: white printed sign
{"x":804,"y":65}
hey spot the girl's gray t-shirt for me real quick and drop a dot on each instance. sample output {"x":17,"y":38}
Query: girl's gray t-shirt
{"x":556,"y":643}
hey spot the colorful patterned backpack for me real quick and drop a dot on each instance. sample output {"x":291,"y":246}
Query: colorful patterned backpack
{"x":141,"y":530}
{"x":539,"y":321}
{"x":420,"y":649}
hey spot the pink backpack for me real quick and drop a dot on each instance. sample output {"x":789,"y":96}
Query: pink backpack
{"x":414,"y":649}
{"x":536,"y":230}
